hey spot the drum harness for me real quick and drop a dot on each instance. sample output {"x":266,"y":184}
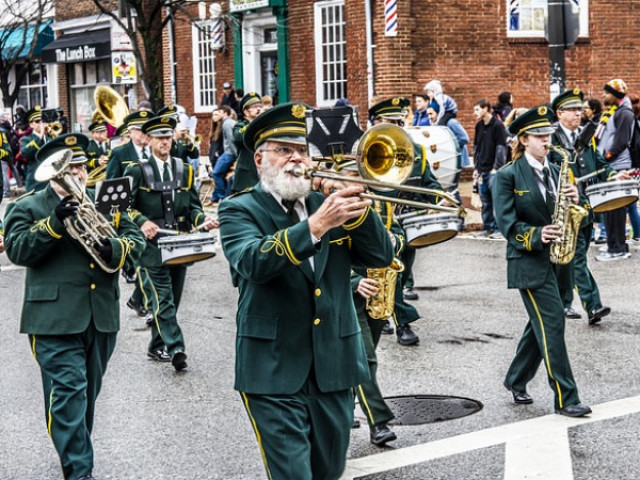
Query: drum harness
{"x":167,"y":189}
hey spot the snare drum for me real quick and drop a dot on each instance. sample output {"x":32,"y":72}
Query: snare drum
{"x":431,"y":228}
{"x":189,"y":248}
{"x":442,"y":150}
{"x":607,"y":196}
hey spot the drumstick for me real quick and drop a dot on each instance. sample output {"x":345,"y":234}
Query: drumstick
{"x":589,"y":175}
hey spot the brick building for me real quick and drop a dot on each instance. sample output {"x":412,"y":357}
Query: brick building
{"x":319,"y":51}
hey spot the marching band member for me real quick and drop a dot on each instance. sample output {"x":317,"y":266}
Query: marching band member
{"x":246,"y":175}
{"x":298,"y":350}
{"x":182,"y":147}
{"x":568,"y":108}
{"x":71,"y":308}
{"x":98,"y":148}
{"x":163,"y":196}
{"x":30,"y":144}
{"x":524,"y":199}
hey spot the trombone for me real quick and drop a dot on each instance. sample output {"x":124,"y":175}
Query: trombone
{"x":385,"y":159}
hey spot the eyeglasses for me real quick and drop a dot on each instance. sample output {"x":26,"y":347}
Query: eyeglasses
{"x":287,"y":152}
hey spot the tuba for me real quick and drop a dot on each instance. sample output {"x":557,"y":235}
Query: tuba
{"x":566,"y":214}
{"x":380,"y":306}
{"x":88,"y":227}
{"x":110,"y":106}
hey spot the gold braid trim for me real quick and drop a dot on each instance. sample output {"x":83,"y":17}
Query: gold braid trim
{"x":44,"y":226}
{"x":133,"y":214}
{"x":358,"y":221}
{"x":281,"y":249}
{"x":520,"y":192}
{"x":526,"y":238}
{"x":195,"y":221}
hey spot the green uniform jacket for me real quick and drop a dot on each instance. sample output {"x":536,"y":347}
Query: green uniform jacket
{"x":521,"y":212}
{"x":64,"y":287}
{"x":29,"y":145}
{"x":94,"y":152}
{"x":148,"y":205}
{"x":184,"y":152}
{"x":121,"y":157}
{"x":246,"y":174}
{"x":593,"y":160}
{"x":291,"y":318}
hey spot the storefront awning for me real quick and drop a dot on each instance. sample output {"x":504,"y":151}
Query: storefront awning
{"x":81,"y":47}
{"x":15,"y":44}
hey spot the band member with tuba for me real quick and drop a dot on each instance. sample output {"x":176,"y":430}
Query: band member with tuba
{"x":163,"y":196}
{"x":299,"y":349}
{"x":524,"y":198}
{"x":98,"y":149}
{"x":30,"y":144}
{"x":568,"y":108}
{"x":71,"y":308}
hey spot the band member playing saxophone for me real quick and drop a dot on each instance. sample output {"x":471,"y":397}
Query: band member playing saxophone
{"x":299,"y":349}
{"x":71,"y":308}
{"x":525,"y":200}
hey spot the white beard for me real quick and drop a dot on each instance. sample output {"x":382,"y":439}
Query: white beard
{"x":277,"y":180}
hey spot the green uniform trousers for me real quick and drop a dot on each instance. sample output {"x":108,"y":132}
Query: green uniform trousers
{"x":369,"y":395}
{"x":543,"y":341}
{"x":162,"y":290}
{"x":583,"y":281}
{"x":72,"y":368}
{"x":304,"y":436}
{"x":408,"y":258}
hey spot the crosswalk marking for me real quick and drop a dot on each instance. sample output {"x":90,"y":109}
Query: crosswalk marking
{"x":537,"y":448}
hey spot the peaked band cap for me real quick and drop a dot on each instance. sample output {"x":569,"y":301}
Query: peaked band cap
{"x":159,"y":127}
{"x":568,"y":99}
{"x":392,"y":108}
{"x":535,"y":121}
{"x":76,"y":142}
{"x":284,"y":123}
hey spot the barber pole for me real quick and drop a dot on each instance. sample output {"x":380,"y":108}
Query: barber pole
{"x":390,"y":18}
{"x":217,"y":34}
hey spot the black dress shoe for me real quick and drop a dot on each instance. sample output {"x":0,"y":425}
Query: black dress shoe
{"x":571,"y":313}
{"x":387,"y":329}
{"x":356,"y":423}
{"x":86,"y":477}
{"x":406,"y":336}
{"x":577,"y":410}
{"x":596,"y":315}
{"x":159,"y":356}
{"x":519,"y":398}
{"x":136,"y":307}
{"x":149,"y":321}
{"x":381,"y":434}
{"x":409,"y":294}
{"x":129,"y":278}
{"x":179,"y":361}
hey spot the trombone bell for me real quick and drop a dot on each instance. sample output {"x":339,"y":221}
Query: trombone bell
{"x":385,"y":154}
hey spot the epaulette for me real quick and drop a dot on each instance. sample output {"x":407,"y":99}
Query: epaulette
{"x":246,"y":190}
{"x":507,"y":164}
{"x":26,"y":194}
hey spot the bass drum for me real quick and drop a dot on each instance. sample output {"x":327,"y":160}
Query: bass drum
{"x":442,"y":151}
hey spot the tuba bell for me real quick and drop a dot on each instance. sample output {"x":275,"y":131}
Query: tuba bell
{"x":110,"y":105}
{"x":88,"y":227}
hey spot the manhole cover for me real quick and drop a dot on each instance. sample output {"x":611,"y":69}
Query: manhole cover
{"x":421,"y":409}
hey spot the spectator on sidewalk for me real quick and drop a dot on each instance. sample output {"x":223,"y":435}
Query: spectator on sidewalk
{"x":447,"y":106}
{"x":420,"y":114}
{"x":489,"y":154}
{"x":504,"y":106}
{"x":225,"y":161}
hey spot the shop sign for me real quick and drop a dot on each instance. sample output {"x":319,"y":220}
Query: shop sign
{"x":242,"y":5}
{"x":76,"y":54}
{"x":123,"y":66}
{"x":120,"y":39}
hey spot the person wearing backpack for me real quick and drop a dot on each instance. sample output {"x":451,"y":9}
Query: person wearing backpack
{"x":614,"y":147}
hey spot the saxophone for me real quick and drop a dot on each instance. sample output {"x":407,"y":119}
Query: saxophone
{"x":565,"y":214}
{"x":380,"y":306}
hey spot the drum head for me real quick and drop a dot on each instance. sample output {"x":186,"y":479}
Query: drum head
{"x":442,"y":150}
{"x":195,"y":257}
{"x":433,"y":238}
{"x":615,"y":204}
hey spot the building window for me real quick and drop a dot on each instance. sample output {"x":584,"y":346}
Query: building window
{"x":84,"y":77}
{"x":527,"y":18}
{"x":34,"y":90}
{"x":331,"y":52}
{"x":204,"y":73}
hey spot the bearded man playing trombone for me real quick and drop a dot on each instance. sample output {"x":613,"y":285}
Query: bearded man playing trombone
{"x":71,"y":308}
{"x":299,"y":350}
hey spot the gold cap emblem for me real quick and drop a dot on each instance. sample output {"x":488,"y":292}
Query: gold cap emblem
{"x":165,"y":119}
{"x":395,"y":101}
{"x":298,"y":111}
{"x":576,"y":91}
{"x":72,"y":140}
{"x":143,"y":114}
{"x":542,"y":110}
{"x":37,"y":108}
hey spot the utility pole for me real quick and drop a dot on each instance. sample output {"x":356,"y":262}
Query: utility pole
{"x":562,"y":29}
